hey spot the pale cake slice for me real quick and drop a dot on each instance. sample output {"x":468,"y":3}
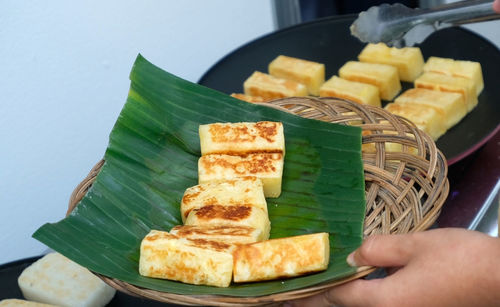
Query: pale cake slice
{"x":284,"y":257}
{"x":383,"y":76}
{"x":425,"y":118}
{"x":362,"y":93}
{"x":457,"y":68}
{"x":238,"y":191}
{"x":269,"y":87}
{"x":450,"y":106}
{"x":409,"y":60}
{"x":225,"y":234}
{"x":163,"y":255}
{"x":445,"y":83}
{"x":241,"y":138}
{"x":268,"y":167}
{"x":22,"y":303}
{"x":55,"y":279}
{"x":248,"y":98}
{"x":309,"y":73}
{"x":243,"y":215}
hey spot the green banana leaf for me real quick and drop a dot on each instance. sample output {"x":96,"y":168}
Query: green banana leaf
{"x":152,"y":158}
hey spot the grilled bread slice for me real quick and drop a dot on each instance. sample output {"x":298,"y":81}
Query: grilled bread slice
{"x":243,"y":215}
{"x":163,"y":255}
{"x":284,"y":257}
{"x":450,"y":106}
{"x":425,"y":118}
{"x":444,"y":83}
{"x":237,"y":191}
{"x":268,"y":167}
{"x":218,"y":233}
{"x":269,"y":87}
{"x":456,"y":68}
{"x":362,"y":93}
{"x":409,"y":60}
{"x":383,"y":76}
{"x":55,"y":279}
{"x":248,"y":98}
{"x":311,"y":74}
{"x":241,"y":138}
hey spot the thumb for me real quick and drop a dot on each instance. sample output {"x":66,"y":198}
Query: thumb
{"x":384,"y":251}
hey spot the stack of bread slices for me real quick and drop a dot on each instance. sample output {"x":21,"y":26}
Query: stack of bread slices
{"x":445,"y":90}
{"x":226,"y":223}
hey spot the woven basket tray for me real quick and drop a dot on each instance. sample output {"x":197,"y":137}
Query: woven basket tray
{"x":405,"y":189}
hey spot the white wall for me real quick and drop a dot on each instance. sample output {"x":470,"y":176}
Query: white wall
{"x":64,"y":69}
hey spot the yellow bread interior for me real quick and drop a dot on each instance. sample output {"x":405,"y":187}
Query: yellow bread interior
{"x":389,"y":146}
{"x":383,"y":76}
{"x":409,"y":60}
{"x":225,"y":234}
{"x":269,"y":87}
{"x":425,"y":118}
{"x":445,"y":83}
{"x":450,"y":106}
{"x":163,"y":255}
{"x":241,"y":138}
{"x":362,"y":93}
{"x":248,"y":98}
{"x":238,"y":191}
{"x":244,"y":215}
{"x":284,"y":257}
{"x":457,"y":68}
{"x":311,"y":74}
{"x":268,"y":167}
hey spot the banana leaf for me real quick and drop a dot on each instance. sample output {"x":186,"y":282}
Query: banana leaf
{"x":152,"y":158}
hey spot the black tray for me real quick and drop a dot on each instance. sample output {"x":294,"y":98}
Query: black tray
{"x":329,"y":41}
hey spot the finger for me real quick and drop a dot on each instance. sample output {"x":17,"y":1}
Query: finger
{"x":354,"y":293}
{"x":384,"y":251}
{"x":496,"y":6}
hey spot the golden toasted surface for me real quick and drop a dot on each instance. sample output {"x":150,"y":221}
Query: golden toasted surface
{"x":284,"y":257}
{"x":309,"y":73}
{"x":230,"y":192}
{"x":22,"y":303}
{"x":196,"y":261}
{"x":269,"y":87}
{"x":425,"y":118}
{"x":242,"y":138}
{"x":236,"y":234}
{"x":362,"y":93}
{"x":248,"y":98}
{"x":266,"y":166}
{"x":409,"y":60}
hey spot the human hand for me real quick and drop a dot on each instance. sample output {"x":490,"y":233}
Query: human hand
{"x":441,"y":267}
{"x":496,"y":6}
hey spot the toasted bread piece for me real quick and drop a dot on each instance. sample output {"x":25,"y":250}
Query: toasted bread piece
{"x":450,"y":106}
{"x":245,"y":215}
{"x":225,"y":234}
{"x":425,"y":118}
{"x":163,"y":255}
{"x":55,"y":279}
{"x":248,"y":98}
{"x":389,"y":146}
{"x":409,"y":60}
{"x":269,"y":87}
{"x":311,"y":74}
{"x":241,"y":138}
{"x":238,"y":191}
{"x":22,"y":303}
{"x":362,"y":93}
{"x":456,"y":68}
{"x":445,"y":83}
{"x":284,"y":257}
{"x":268,"y":167}
{"x":383,"y":76}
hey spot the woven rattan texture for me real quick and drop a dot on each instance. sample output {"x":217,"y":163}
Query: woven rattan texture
{"x":406,"y":186}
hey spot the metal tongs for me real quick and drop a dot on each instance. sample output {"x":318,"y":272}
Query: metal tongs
{"x":400,"y":26}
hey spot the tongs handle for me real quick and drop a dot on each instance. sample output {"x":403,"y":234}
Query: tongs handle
{"x":458,"y":13}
